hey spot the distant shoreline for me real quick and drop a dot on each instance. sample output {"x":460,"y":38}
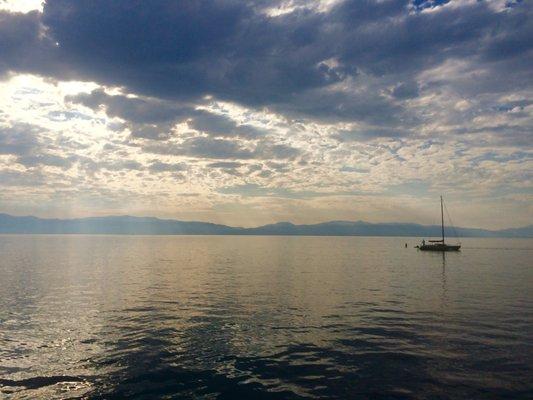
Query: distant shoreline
{"x":128,"y":225}
{"x":418,"y":238}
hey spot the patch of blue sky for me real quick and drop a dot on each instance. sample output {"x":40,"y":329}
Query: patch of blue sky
{"x":420,"y":5}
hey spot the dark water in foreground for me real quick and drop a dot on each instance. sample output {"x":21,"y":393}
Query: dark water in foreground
{"x":264,"y":318}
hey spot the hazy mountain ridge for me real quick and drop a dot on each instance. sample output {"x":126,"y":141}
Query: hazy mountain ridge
{"x":155,"y":226}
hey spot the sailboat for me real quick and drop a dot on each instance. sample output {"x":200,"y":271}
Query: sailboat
{"x":439,"y":245}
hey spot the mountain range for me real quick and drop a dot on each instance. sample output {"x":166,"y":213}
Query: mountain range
{"x":128,"y":225}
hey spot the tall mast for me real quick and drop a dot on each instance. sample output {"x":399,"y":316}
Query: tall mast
{"x":442,"y":219}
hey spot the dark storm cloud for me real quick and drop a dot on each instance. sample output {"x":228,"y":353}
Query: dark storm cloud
{"x":91,"y":166}
{"x":145,"y":117}
{"x":19,"y":40}
{"x":19,"y":139}
{"x":203,"y":147}
{"x":228,"y":167}
{"x":215,"y":148}
{"x":52,"y":160}
{"x":136,"y":110}
{"x":230,"y":49}
{"x":369,"y":134}
{"x":367,"y":104}
{"x":158,"y":166}
{"x":277,"y":151}
{"x":153,"y":118}
{"x":30,"y":149}
{"x":220,"y":125}
{"x":186,"y":49}
{"x":406,"y":90}
{"x":17,"y":178}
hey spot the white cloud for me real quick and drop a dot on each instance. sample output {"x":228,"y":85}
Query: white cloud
{"x":23,"y":6}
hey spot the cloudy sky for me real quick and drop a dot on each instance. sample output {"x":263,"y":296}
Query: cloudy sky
{"x":252,"y":112}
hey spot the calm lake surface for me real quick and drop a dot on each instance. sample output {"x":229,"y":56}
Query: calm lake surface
{"x":226,"y":317}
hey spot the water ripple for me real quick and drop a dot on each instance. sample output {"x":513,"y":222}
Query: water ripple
{"x":262,"y":318}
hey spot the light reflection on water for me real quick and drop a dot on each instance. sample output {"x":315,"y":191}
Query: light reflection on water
{"x":263,"y":317}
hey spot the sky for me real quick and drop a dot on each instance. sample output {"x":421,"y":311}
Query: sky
{"x":253,"y":112}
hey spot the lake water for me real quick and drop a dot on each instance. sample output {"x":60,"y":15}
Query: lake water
{"x":226,"y":317}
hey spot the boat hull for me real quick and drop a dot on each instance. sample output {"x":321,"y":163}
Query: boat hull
{"x":440,"y":247}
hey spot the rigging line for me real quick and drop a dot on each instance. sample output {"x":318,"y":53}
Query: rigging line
{"x":451,"y":222}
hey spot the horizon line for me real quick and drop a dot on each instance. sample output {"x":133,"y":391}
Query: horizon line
{"x":260,"y":226}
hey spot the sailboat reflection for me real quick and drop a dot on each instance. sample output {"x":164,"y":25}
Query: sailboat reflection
{"x":444,"y":296}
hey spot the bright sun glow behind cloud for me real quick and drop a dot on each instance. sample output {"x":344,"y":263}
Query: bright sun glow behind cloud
{"x":21,"y":5}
